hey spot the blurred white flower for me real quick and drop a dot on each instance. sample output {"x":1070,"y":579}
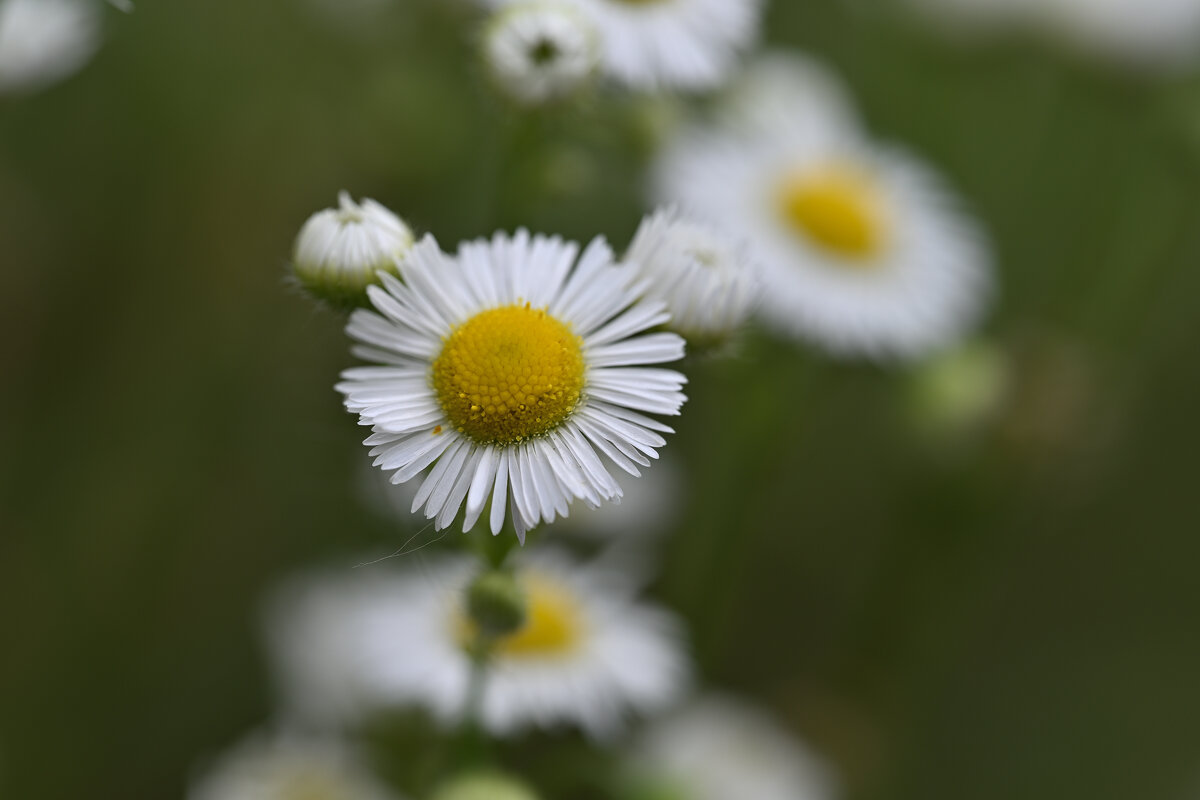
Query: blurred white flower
{"x":670,"y":44}
{"x":1144,"y":34}
{"x":863,"y":250}
{"x":718,"y":748}
{"x":340,"y":251}
{"x":288,"y":767}
{"x":540,"y":51}
{"x":705,"y":277}
{"x":1147,"y":34}
{"x":44,"y":41}
{"x":588,"y":653}
{"x":508,"y":369}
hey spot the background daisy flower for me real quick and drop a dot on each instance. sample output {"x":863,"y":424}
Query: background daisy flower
{"x":717,"y":748}
{"x":675,"y":44}
{"x":864,"y":251}
{"x":509,"y":369}
{"x":44,"y":41}
{"x":587,"y":654}
{"x":540,"y":51}
{"x":288,"y":767}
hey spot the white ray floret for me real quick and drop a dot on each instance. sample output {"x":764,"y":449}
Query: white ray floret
{"x":705,"y":277}
{"x":288,"y":767}
{"x":540,"y":51}
{"x":508,"y":370}
{"x":863,"y":249}
{"x":589,"y":654}
{"x":669,"y":44}
{"x":718,"y":748}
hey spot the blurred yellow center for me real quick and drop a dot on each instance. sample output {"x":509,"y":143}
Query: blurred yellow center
{"x":838,"y":207}
{"x":553,"y":623}
{"x":509,"y":373}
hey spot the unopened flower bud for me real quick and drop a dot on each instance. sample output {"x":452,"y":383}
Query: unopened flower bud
{"x":339,"y":251}
{"x":496,"y":603}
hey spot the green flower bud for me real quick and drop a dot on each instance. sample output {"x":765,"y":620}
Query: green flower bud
{"x":484,"y":786}
{"x":496,"y":603}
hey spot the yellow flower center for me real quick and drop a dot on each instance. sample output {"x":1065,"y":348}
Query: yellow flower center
{"x":553,"y":622}
{"x":509,"y":373}
{"x":838,"y":207}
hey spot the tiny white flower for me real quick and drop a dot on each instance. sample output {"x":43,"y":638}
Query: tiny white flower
{"x":718,"y":748}
{"x":671,"y":44}
{"x":340,"y":251}
{"x":587,"y":654}
{"x":44,"y":41}
{"x":509,"y":369}
{"x":288,"y":767}
{"x":540,"y":51}
{"x":705,"y":277}
{"x":862,"y":248}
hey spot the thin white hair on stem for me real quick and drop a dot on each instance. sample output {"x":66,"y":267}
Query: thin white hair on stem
{"x":404,"y":548}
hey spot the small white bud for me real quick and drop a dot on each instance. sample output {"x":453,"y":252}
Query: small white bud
{"x":539,"y":51}
{"x":339,"y":251}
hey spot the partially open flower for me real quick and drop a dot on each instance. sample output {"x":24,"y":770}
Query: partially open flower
{"x":705,"y":277}
{"x":340,"y":251}
{"x":539,"y":51}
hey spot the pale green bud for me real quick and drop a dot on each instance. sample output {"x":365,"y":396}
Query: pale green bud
{"x":484,"y":786}
{"x":496,"y":603}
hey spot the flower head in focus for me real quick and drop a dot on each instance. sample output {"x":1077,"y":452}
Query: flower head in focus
{"x":509,"y":369}
{"x":288,"y":767}
{"x":717,"y":748}
{"x":586,"y":653}
{"x":863,"y":250}
{"x":340,"y":251}
{"x":669,"y":44}
{"x":540,"y":51}
{"x":705,"y":277}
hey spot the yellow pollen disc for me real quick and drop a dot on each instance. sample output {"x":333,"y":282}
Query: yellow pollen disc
{"x":838,"y":207}
{"x":509,"y":373}
{"x":553,"y":623}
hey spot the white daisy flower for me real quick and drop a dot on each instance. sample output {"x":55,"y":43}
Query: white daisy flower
{"x":540,"y":51}
{"x":340,"y":251}
{"x":862,"y":248}
{"x":719,"y":748}
{"x":705,"y":277}
{"x":288,"y":767}
{"x":44,"y":41}
{"x":587,"y":654}
{"x":509,"y":368}
{"x":672,"y":44}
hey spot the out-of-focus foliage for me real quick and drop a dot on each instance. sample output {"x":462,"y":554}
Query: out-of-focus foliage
{"x":1009,"y":613}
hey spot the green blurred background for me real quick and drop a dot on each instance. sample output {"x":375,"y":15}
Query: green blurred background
{"x":1005,"y":612}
